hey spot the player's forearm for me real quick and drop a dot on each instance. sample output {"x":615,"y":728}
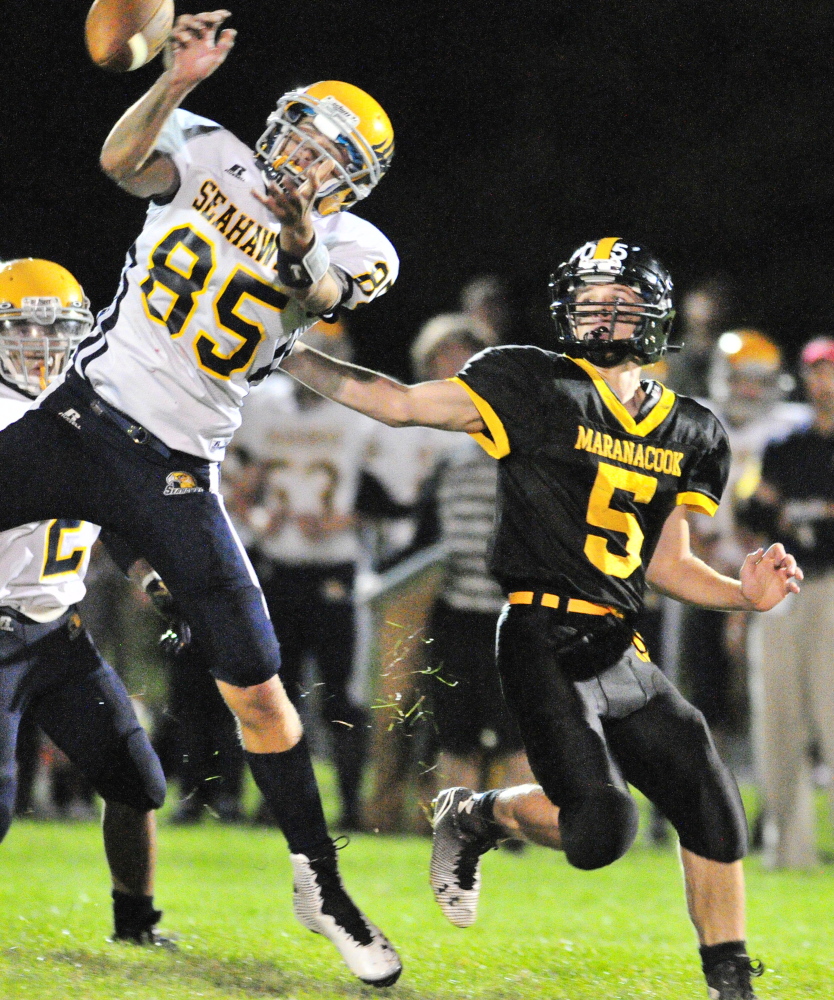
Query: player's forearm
{"x":133,"y":137}
{"x":691,"y":580}
{"x":371,"y":393}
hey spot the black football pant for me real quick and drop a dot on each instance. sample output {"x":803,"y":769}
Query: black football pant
{"x":596,"y":716}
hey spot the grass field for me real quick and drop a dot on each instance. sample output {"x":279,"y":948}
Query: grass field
{"x":545,"y":929}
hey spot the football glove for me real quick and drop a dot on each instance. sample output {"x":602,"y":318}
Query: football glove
{"x":177,"y":637}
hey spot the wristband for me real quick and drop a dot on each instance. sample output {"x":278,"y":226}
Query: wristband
{"x":150,"y":578}
{"x":302,"y":272}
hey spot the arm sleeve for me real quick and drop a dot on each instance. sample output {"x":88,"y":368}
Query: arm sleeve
{"x":705,"y":474}
{"x":504,"y":384}
{"x":366,"y":259}
{"x":180,"y":129}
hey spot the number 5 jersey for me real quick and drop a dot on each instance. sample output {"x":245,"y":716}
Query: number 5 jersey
{"x":199,"y":313}
{"x":584,"y":488}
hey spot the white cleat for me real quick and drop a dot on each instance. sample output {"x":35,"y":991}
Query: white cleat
{"x":455,"y":870}
{"x":322,"y":905}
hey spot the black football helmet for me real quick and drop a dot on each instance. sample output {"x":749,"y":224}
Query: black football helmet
{"x":613,"y":261}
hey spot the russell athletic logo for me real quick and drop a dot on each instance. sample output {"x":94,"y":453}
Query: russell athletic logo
{"x":178,"y":483}
{"x":72,"y":417}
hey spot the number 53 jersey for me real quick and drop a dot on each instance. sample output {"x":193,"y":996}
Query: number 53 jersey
{"x":584,"y":488}
{"x":199,"y":313}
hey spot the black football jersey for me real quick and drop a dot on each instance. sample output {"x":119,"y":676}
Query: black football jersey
{"x":801,"y":468}
{"x":584,"y":488}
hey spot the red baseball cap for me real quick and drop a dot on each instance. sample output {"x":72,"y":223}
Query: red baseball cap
{"x":819,"y":349}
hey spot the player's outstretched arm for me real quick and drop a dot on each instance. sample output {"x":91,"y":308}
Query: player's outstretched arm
{"x":445,"y":405}
{"x":194,"y":52}
{"x":766,"y":577}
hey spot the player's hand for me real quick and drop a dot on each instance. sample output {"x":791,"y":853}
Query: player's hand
{"x":767,"y":577}
{"x":292,"y":206}
{"x":177,"y":637}
{"x":194,"y":49}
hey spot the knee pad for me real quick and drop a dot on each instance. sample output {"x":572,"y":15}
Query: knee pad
{"x":134,"y":777}
{"x":598,"y":829}
{"x":718,"y":830}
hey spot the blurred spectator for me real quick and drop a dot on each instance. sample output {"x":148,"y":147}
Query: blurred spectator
{"x":705,"y":310}
{"x":747,"y":384}
{"x":312,"y":457}
{"x":791,"y":657}
{"x":478,"y":741}
{"x":487,"y":299}
{"x":210,"y":761}
{"x":446,"y":664}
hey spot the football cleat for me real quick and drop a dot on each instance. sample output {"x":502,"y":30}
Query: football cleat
{"x":730,"y":979}
{"x":147,"y":938}
{"x":455,"y":870}
{"x":322,"y":905}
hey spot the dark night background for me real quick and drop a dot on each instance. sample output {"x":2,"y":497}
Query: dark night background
{"x":700,"y":128}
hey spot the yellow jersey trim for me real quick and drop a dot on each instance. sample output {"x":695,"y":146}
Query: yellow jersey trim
{"x":497,"y":444}
{"x":650,"y":422}
{"x":697,"y":501}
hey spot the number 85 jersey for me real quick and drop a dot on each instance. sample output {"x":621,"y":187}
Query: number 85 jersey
{"x":584,"y":488}
{"x":199,"y":313}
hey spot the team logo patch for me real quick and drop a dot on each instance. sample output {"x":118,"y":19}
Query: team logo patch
{"x":6,"y":623}
{"x":178,"y":483}
{"x":72,"y":417}
{"x":74,"y":625}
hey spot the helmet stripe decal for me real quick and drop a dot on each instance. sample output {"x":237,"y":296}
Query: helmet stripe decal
{"x":604,"y":248}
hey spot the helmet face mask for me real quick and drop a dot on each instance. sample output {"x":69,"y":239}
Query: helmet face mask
{"x":586,"y":323}
{"x":44,"y":315}
{"x":345,"y":116}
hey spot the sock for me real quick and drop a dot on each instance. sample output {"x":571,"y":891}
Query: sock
{"x":482,"y":813}
{"x":133,"y":914}
{"x":288,"y":785}
{"x":713,"y":954}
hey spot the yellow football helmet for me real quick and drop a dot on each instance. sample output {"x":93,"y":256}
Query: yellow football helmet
{"x":44,"y":315}
{"x":746,"y":377}
{"x":342,"y":113}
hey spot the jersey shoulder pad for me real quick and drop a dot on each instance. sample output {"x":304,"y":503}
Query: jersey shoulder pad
{"x":361,"y":251}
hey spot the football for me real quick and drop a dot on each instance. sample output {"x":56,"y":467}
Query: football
{"x":123,"y":35}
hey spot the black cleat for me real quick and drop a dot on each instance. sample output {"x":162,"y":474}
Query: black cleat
{"x":149,"y":937}
{"x":730,"y":979}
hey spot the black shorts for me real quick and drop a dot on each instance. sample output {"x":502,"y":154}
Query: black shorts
{"x":64,"y":460}
{"x":470,"y":713}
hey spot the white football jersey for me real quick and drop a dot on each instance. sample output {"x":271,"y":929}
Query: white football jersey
{"x":43,"y":563}
{"x":314,"y":456}
{"x":199,"y":313}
